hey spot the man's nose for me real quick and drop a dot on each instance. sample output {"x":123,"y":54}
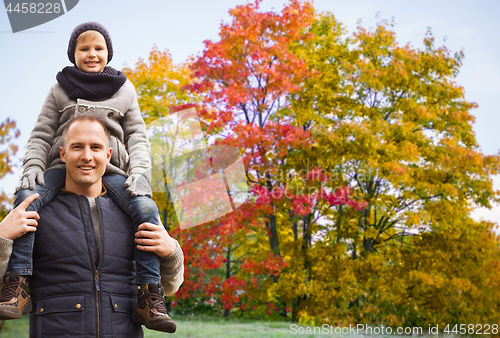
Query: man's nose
{"x":87,"y":154}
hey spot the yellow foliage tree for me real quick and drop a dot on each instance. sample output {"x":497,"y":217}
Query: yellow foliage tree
{"x":395,"y":124}
{"x":159,"y":84}
{"x":8,"y":133}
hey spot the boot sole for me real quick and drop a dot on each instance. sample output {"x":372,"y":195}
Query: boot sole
{"x":9,"y":313}
{"x":170,"y":327}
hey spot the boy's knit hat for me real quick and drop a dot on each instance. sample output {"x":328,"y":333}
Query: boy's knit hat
{"x":88,"y":26}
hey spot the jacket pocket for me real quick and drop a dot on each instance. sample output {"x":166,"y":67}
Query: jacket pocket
{"x":54,"y":150}
{"x":103,"y":110}
{"x":123,"y":307}
{"x":119,"y":156}
{"x":123,"y":304}
{"x":60,"y":316}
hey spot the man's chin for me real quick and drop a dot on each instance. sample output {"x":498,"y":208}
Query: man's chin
{"x":86,"y":181}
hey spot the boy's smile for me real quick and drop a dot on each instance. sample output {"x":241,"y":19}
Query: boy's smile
{"x":91,"y":53}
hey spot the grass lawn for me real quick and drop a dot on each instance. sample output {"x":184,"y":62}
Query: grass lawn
{"x":208,"y":327}
{"x":212,"y":327}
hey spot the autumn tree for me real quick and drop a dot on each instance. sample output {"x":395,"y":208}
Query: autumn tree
{"x":209,"y":249}
{"x":159,"y":84}
{"x":8,"y":132}
{"x":247,"y":78}
{"x":394,"y":121}
{"x":363,"y":168}
{"x":396,"y":113}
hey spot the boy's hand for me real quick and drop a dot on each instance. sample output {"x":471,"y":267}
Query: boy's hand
{"x":137,"y":185}
{"x":31,"y":175}
{"x":19,"y":221}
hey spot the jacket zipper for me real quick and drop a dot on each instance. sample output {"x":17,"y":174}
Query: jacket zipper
{"x":96,"y":275}
{"x":96,"y":280}
{"x":98,"y":265}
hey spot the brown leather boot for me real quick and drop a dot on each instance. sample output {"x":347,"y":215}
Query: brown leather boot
{"x":14,"y":299}
{"x":151,"y":311}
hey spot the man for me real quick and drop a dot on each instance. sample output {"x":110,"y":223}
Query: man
{"x":83,"y":281}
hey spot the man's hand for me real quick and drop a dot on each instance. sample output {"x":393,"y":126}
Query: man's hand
{"x":154,"y":238}
{"x":19,"y":221}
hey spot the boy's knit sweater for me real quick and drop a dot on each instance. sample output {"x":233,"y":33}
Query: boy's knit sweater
{"x":121,"y":115}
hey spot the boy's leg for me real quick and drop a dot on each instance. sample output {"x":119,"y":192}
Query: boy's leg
{"x":14,"y":300}
{"x":150,"y":310}
{"x":21,"y":260}
{"x":141,"y":209}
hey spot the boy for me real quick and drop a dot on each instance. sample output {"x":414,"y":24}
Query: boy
{"x":90,"y":88}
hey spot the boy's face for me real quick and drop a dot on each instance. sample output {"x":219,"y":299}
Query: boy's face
{"x":91,"y":53}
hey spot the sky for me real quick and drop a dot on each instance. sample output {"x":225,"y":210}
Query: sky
{"x":31,"y":59}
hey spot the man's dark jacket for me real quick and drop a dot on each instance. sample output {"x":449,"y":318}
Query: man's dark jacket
{"x":76,"y":291}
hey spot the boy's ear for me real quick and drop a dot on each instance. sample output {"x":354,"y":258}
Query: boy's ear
{"x":109,"y":154}
{"x":61,"y":154}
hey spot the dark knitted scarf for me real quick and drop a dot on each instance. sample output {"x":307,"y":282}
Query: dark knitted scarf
{"x":90,"y":86}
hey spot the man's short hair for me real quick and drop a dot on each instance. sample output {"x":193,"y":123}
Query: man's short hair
{"x":88,"y":118}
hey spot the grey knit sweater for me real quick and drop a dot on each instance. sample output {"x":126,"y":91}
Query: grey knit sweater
{"x":121,"y":115}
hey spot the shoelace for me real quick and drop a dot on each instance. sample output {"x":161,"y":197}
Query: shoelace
{"x":158,"y":303}
{"x":9,"y":291}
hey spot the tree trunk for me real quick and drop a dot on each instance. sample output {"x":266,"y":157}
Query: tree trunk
{"x":296,"y":307}
{"x":368,"y":244}
{"x":338,"y":224}
{"x":228,"y":274}
{"x":273,"y":234}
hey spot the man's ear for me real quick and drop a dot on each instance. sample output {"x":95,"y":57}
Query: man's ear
{"x":109,"y":154}
{"x":61,"y":154}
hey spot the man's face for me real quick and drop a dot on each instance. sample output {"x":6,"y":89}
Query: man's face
{"x":91,"y":53}
{"x":86,"y":152}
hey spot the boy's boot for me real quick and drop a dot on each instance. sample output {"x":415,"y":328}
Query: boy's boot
{"x":151,"y":311}
{"x":14,"y":298}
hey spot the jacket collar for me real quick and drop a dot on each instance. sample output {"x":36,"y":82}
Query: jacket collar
{"x":104,"y":191}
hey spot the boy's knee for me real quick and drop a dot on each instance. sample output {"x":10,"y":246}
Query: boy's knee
{"x":22,"y":195}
